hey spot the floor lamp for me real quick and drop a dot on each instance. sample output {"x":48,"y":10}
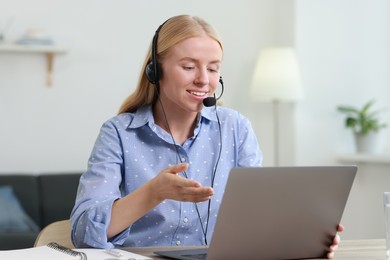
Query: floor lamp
{"x":276,"y":79}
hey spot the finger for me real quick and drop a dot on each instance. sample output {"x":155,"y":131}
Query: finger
{"x":197,"y":194}
{"x":333,"y":247}
{"x":199,"y":191}
{"x":336,"y":239}
{"x":183,"y":183}
{"x":195,"y":198}
{"x":330,"y":255}
{"x":177,"y":168}
{"x":335,"y":244}
{"x":340,"y":228}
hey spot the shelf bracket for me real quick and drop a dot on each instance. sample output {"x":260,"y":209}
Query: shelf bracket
{"x":48,"y":50}
{"x":49,"y":72}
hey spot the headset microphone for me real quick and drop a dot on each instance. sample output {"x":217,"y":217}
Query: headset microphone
{"x":211,"y":101}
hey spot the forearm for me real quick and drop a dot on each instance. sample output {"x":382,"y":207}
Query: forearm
{"x":127,"y":210}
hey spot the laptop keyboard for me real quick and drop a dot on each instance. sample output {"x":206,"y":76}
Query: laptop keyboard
{"x":197,"y":256}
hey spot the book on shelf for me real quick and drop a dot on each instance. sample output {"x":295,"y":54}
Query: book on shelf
{"x":54,"y":251}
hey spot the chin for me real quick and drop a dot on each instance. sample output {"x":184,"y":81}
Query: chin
{"x":196,"y":109}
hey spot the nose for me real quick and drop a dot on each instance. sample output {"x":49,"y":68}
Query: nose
{"x":202,"y":77}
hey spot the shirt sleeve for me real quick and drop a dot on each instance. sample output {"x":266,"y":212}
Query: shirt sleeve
{"x":249,"y":153}
{"x":99,"y":187}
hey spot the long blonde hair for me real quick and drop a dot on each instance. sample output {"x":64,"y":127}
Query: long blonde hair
{"x":173,"y":31}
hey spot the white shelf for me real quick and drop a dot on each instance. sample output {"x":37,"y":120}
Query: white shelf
{"x":49,"y":50}
{"x":365,"y":158}
{"x":9,"y":47}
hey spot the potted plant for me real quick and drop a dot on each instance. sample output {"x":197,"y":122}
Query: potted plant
{"x":365,"y":124}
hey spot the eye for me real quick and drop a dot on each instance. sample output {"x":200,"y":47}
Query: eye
{"x":213,"y":67}
{"x":188,"y":67}
{"x":214,"y":70}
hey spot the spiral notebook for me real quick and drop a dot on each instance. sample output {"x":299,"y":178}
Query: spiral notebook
{"x":54,"y":251}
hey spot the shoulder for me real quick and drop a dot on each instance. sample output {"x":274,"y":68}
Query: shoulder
{"x":120,"y":121}
{"x":229,"y":115}
{"x":130,"y":120}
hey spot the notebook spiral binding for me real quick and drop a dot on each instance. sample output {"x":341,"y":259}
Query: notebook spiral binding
{"x":66,"y":250}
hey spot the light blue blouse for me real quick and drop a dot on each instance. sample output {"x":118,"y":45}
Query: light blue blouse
{"x":131,"y":149}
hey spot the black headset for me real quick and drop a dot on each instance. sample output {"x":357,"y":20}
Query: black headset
{"x":153,"y":73}
{"x":153,"y":69}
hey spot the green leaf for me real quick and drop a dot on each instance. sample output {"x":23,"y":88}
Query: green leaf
{"x":363,"y":120}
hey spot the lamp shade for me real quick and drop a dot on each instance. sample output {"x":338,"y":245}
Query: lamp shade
{"x":277,"y":76}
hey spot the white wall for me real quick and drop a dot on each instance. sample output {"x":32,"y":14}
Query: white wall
{"x":345,"y":59}
{"x":344,"y":50}
{"x":53,"y":129}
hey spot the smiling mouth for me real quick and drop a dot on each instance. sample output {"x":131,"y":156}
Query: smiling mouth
{"x":198,"y":94}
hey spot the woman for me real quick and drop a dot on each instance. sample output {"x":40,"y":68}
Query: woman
{"x":158,"y":169}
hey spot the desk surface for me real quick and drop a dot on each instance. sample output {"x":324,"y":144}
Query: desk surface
{"x":370,"y":249}
{"x":373,"y":249}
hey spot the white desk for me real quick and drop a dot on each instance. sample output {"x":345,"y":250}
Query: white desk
{"x":370,"y":249}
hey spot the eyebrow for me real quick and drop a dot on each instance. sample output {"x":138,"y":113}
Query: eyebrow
{"x":195,"y":60}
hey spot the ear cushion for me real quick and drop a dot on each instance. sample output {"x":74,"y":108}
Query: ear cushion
{"x":151,"y":74}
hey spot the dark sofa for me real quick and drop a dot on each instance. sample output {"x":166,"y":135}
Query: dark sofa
{"x":45,"y":198}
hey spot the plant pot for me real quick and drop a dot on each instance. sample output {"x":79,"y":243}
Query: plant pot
{"x":368,"y":144}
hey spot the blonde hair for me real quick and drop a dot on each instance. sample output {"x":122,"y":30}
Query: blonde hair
{"x":173,"y":31}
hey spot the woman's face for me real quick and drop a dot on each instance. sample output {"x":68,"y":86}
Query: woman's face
{"x":191,"y":71}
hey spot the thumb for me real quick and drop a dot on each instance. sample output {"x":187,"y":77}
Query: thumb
{"x":177,"y":168}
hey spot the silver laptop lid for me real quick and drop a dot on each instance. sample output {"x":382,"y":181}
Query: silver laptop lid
{"x":280,"y":212}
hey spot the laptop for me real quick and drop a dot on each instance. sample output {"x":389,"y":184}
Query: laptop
{"x":277,"y":213}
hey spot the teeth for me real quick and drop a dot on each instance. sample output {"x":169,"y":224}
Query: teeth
{"x":200,"y":94}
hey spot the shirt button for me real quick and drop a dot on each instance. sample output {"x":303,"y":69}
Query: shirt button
{"x":182,"y":159}
{"x":178,"y":242}
{"x":185,"y":220}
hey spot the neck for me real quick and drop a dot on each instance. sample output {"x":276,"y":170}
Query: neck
{"x":180,"y":124}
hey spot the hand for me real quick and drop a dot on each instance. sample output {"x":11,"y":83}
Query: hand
{"x":169,"y":185}
{"x":336,"y":242}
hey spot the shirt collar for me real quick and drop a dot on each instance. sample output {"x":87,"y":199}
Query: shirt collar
{"x":144,"y":115}
{"x":209,"y":113}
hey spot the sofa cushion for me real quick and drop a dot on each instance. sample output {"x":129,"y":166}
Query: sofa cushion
{"x":13,"y":218}
{"x":58,"y":195}
{"x":25,"y":187}
{"x":17,"y":240}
